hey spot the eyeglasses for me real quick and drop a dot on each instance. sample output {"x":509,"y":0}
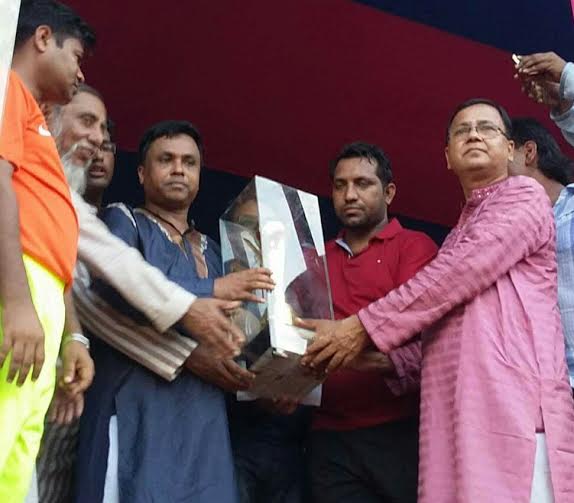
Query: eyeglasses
{"x":108,"y":146}
{"x":486,"y":130}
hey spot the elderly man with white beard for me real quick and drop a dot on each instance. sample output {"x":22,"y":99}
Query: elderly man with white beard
{"x":79,"y":131}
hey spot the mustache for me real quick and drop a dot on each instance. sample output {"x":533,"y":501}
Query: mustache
{"x":68,"y":156}
{"x":81,"y":145}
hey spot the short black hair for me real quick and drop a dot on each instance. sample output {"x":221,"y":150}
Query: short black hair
{"x":62,"y":20}
{"x":482,"y":101}
{"x":374,"y":154}
{"x":168,"y":129}
{"x":551,"y":161}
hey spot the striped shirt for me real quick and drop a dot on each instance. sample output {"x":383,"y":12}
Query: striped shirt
{"x":162,"y":353}
{"x":565,"y":121}
{"x":564,"y":217}
{"x":493,"y":370}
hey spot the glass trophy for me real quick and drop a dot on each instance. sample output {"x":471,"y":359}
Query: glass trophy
{"x":278,"y":227}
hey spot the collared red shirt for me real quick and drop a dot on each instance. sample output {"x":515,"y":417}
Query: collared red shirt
{"x":564,"y":218}
{"x":358,"y":399}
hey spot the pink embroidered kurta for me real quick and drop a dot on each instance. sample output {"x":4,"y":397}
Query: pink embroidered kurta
{"x":493,"y":370}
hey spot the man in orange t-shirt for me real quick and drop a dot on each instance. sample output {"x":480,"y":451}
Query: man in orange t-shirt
{"x":39,"y":231}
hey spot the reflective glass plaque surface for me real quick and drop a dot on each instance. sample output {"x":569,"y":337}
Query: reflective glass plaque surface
{"x":278,"y":227}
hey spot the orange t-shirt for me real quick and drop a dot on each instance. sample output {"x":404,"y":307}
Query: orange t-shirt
{"x":48,"y":222}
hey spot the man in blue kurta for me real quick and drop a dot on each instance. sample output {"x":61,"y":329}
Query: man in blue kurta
{"x":163,"y":441}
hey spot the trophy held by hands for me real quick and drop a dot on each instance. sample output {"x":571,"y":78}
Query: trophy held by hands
{"x":278,"y":227}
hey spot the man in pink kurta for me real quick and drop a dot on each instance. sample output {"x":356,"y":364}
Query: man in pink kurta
{"x":493,"y":370}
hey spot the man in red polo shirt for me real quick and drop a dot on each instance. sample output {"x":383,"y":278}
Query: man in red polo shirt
{"x":364,"y":442}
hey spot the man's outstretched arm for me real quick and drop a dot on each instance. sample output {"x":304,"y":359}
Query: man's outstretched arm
{"x":147,"y":289}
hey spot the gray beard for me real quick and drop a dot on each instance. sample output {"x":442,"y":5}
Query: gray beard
{"x":75,"y":174}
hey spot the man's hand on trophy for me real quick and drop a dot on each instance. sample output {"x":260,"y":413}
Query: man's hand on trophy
{"x":335,"y":344}
{"x":225,"y":374}
{"x":209,"y":322}
{"x":241,"y":285}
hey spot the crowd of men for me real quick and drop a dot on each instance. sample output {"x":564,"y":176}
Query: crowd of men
{"x":449,"y":372}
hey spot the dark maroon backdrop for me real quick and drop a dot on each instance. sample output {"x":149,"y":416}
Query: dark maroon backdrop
{"x":277,"y":87}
